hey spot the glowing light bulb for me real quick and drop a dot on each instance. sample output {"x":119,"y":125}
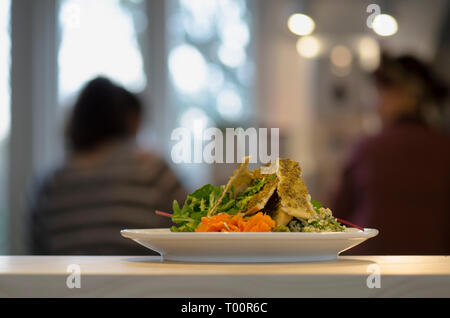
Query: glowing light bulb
{"x":385,"y":25}
{"x":301,"y":24}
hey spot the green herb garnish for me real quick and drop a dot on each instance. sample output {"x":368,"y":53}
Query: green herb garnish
{"x":195,"y":207}
{"x":203,"y":199}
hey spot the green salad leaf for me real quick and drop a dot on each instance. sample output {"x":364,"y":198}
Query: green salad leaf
{"x":195,"y":207}
{"x":232,"y":205}
{"x":199,"y":202}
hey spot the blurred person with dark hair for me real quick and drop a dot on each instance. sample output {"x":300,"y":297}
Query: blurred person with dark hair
{"x":399,"y":180}
{"x":107,"y":183}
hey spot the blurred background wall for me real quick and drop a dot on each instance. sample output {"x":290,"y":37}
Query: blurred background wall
{"x":197,"y":64}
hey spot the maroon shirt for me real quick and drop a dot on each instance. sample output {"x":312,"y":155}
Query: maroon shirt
{"x":399,"y":183}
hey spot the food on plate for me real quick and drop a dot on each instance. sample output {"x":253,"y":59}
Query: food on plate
{"x":272,"y":198}
{"x":224,"y":222}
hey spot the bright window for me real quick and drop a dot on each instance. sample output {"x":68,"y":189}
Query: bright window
{"x":210,"y":61}
{"x":5,"y":117}
{"x":5,"y":60}
{"x":100,"y":38}
{"x":210,"y":70}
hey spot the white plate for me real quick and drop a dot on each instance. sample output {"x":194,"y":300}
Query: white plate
{"x":248,"y":246}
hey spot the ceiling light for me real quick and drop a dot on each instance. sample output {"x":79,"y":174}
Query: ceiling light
{"x":301,"y":24}
{"x":384,"y":25}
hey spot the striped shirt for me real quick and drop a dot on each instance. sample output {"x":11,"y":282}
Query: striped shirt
{"x":81,"y":210}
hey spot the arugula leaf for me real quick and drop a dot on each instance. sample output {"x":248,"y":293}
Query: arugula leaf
{"x":233,"y":205}
{"x":195,"y":207}
{"x":227,"y":206}
{"x":199,"y":202}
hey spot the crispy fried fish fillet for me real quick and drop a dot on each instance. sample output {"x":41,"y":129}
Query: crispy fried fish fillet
{"x":239,"y":181}
{"x":295,"y":200}
{"x":260,"y":199}
{"x":292,"y":198}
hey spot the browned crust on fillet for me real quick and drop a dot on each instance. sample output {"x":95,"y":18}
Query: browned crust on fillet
{"x":260,"y":199}
{"x":295,"y":199}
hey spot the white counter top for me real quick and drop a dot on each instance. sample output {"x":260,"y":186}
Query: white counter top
{"x":140,"y":276}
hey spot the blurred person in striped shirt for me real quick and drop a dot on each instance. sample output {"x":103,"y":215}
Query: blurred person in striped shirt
{"x":106,"y":184}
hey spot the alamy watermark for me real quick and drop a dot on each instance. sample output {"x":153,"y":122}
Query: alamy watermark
{"x":374,"y":279}
{"x":74,"y":279}
{"x":375,"y":10}
{"x":209,"y":146}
